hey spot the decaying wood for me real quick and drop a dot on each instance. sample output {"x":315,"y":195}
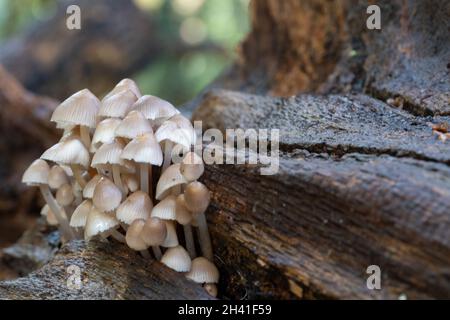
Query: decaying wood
{"x":359,"y":184}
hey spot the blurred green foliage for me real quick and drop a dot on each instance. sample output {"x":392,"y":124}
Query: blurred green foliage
{"x":200,"y":24}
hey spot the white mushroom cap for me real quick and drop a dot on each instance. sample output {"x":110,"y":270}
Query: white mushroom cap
{"x":192,"y":166}
{"x":203,"y":271}
{"x":143,"y":149}
{"x":171,"y":131}
{"x":197,"y":197}
{"x":71,"y":151}
{"x":133,"y":125}
{"x":177,"y":258}
{"x":165,"y":209}
{"x":171,"y":239}
{"x":104,"y":133}
{"x":117,"y":105}
{"x":171,"y":177}
{"x":109,"y":153}
{"x":79,"y":216}
{"x":88,"y":191}
{"x":183,"y":215}
{"x":125,"y":84}
{"x":79,"y":109}
{"x":137,"y":206}
{"x":131,"y":182}
{"x":154,"y":108}
{"x":36,"y":173}
{"x":107,"y":196}
{"x":64,"y":195}
{"x":154,"y":232}
{"x":98,"y":222}
{"x":133,"y":236}
{"x":57,"y":177}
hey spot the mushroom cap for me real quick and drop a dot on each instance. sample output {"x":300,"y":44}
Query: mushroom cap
{"x":108,"y":153}
{"x":133,"y":236}
{"x":171,"y":239}
{"x":211,"y":288}
{"x":36,"y":173}
{"x":98,"y":222}
{"x":154,"y":231}
{"x":154,"y":108}
{"x":182,"y":213}
{"x":131,"y":182}
{"x":125,"y":84}
{"x":50,"y":216}
{"x":165,"y":209}
{"x":57,"y":177}
{"x":64,"y":195}
{"x":117,"y":105}
{"x":177,"y":258}
{"x":133,"y":125}
{"x":203,"y":271}
{"x":104,"y":133}
{"x":192,"y":166}
{"x":170,"y":177}
{"x":197,"y":197}
{"x":171,"y":131}
{"x":107,"y":196}
{"x":68,"y":152}
{"x":79,"y":109}
{"x":137,"y":206}
{"x":88,"y":191}
{"x":80,"y":214}
{"x":143,"y":149}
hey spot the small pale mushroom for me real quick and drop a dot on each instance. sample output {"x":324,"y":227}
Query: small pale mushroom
{"x":197,"y":198}
{"x":50,"y":216}
{"x":146,"y":151}
{"x":107,"y":196}
{"x":134,"y":239}
{"x":37,"y":175}
{"x":80,"y":214}
{"x":205,"y":272}
{"x":105,"y":132}
{"x":117,"y":105}
{"x":80,"y":109}
{"x":154,"y":234}
{"x":177,"y":258}
{"x":170,"y":178}
{"x":137,"y":206}
{"x":192,"y":166}
{"x":155,"y":109}
{"x":101,"y":223}
{"x":64,"y":195}
{"x":165,"y":209}
{"x":57,"y":177}
{"x":131,"y":182}
{"x":88,"y":190}
{"x":124,"y":84}
{"x":133,"y":125}
{"x":171,"y":239}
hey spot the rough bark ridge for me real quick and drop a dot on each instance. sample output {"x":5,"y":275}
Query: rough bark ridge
{"x":361,"y":182}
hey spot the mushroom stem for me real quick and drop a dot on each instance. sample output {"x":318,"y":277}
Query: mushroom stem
{"x":189,"y":237}
{"x":117,"y":179}
{"x":144,"y":177}
{"x":145,"y":254}
{"x":85,"y":136}
{"x":78,"y":175}
{"x":168,"y":145}
{"x":157,"y":252}
{"x":204,"y":239}
{"x":64,"y":226}
{"x":117,"y":235}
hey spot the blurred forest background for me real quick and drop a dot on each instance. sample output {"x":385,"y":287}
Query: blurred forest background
{"x":212,"y":28}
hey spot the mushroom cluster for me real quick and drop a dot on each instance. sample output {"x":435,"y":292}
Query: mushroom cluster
{"x":124,"y":168}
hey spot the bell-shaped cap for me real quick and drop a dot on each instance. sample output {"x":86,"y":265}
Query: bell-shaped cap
{"x":69,"y":152}
{"x":79,"y":109}
{"x":171,"y":177}
{"x":133,"y":125}
{"x":50,"y":216}
{"x":137,"y":206}
{"x":171,"y":131}
{"x":203,"y":271}
{"x":57,"y":177}
{"x":165,"y":209}
{"x":107,"y":196}
{"x":154,"y":108}
{"x":104,"y":133}
{"x":133,"y":236}
{"x":80,"y":214}
{"x":191,"y":166}
{"x":154,"y":232}
{"x":37,"y":173}
{"x":117,"y":105}
{"x":98,"y":222}
{"x":143,"y":149}
{"x":123,"y":85}
{"x":197,"y":197}
{"x":177,"y":258}
{"x":131,"y":182}
{"x":107,"y":154}
{"x":64,"y":195}
{"x":88,"y":191}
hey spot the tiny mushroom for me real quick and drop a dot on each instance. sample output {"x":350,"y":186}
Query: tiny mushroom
{"x":171,"y":177}
{"x":100,"y":223}
{"x":80,"y":214}
{"x":192,"y":166}
{"x":203,"y":271}
{"x":137,"y":206}
{"x":117,"y":105}
{"x":107,"y":196}
{"x":133,"y":237}
{"x":177,"y":259}
{"x":104,"y":133}
{"x":154,"y":233}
